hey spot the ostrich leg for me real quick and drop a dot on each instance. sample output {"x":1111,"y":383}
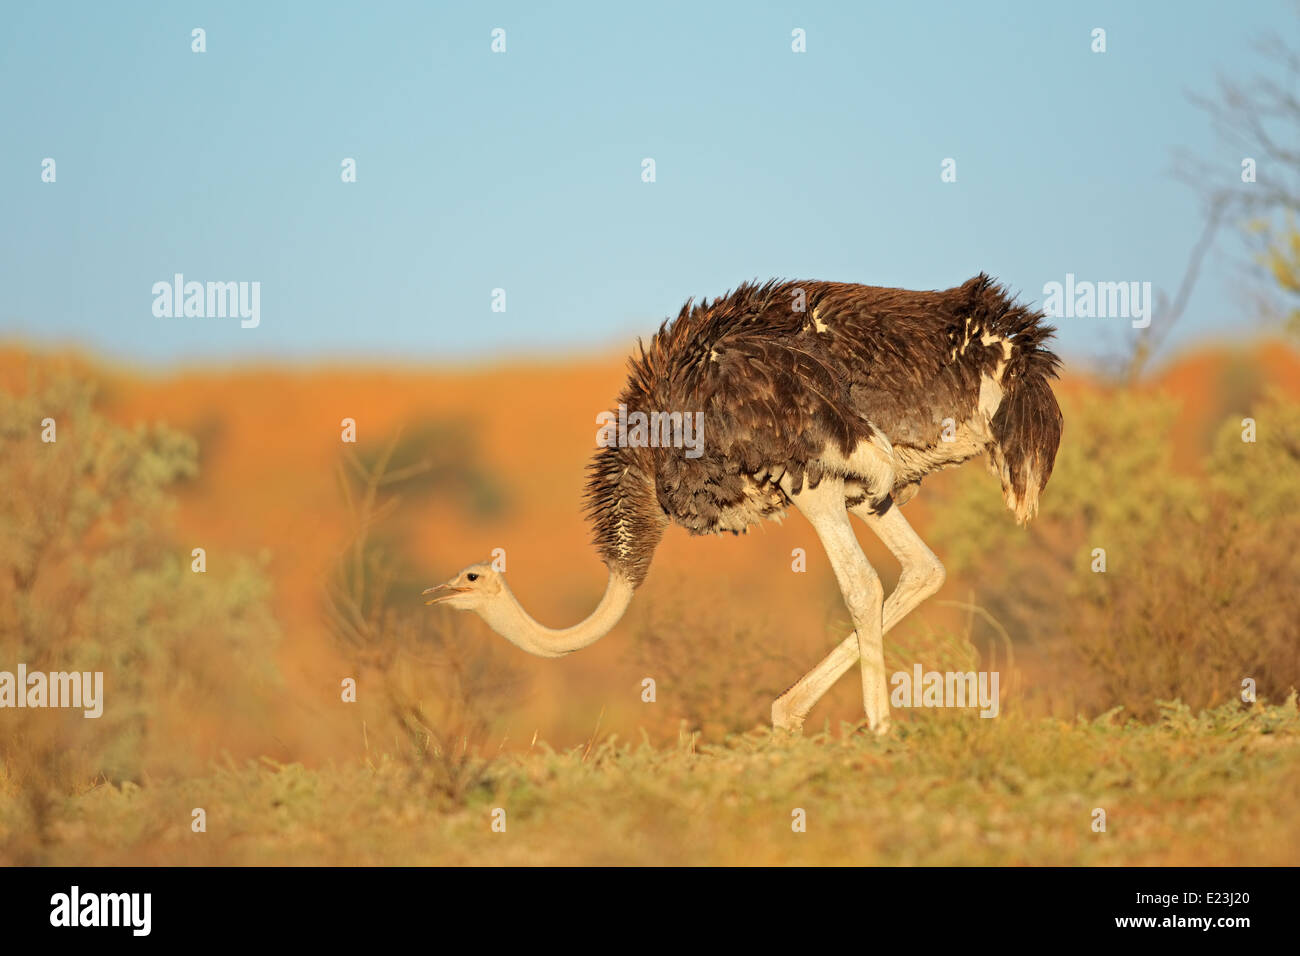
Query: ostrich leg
{"x":860,"y":587}
{"x":922,"y":576}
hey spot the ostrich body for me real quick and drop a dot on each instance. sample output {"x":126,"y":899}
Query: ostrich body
{"x":833,"y":398}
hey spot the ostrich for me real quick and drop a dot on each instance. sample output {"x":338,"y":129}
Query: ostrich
{"x":835,"y":398}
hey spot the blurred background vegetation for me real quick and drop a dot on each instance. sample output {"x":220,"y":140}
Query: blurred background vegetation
{"x":1191,"y":599}
{"x":93,"y":579}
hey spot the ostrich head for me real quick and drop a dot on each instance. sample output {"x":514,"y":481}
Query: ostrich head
{"x":473,"y":589}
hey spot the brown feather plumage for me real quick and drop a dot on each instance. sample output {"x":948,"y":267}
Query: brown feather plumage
{"x":779,"y":386}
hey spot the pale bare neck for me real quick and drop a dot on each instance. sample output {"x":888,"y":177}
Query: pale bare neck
{"x":508,"y":618}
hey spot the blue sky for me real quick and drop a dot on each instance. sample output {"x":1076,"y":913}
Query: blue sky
{"x":522,"y":170}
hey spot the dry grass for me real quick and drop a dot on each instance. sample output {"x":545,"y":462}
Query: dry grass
{"x":1218,"y":788}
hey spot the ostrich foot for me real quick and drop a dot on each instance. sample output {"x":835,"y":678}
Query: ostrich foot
{"x":876,"y":728}
{"x":785,"y":719}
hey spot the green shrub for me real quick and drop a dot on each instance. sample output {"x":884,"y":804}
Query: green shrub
{"x":1198,"y":591}
{"x":92,"y":579}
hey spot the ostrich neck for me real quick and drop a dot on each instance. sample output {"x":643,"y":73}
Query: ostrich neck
{"x":508,"y":618}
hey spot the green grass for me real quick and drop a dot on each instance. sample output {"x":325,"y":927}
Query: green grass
{"x":1215,"y":788}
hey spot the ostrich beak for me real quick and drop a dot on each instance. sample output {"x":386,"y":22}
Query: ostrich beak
{"x":442,"y":592}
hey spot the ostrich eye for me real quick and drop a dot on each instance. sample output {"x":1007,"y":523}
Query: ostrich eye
{"x":472,"y":577}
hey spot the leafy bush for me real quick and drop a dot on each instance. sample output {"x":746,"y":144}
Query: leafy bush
{"x":1198,"y":590}
{"x":91,"y":579}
